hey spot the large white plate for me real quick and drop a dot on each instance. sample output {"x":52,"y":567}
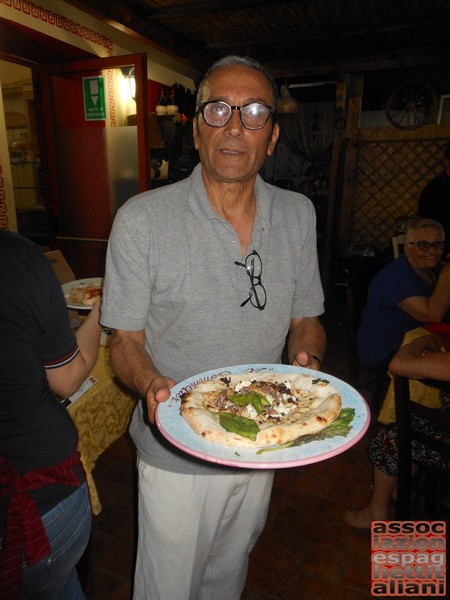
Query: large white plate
{"x":173,"y":426}
{"x":80,"y":283}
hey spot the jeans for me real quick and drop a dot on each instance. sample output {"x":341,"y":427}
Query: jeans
{"x":68,"y":527}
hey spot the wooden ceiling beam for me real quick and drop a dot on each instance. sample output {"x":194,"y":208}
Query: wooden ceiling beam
{"x":406,"y":59}
{"x":215,"y":6}
{"x":336,"y":35}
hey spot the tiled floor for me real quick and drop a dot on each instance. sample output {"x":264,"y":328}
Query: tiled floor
{"x":306,"y":551}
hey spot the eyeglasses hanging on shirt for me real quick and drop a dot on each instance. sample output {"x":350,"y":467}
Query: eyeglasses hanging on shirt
{"x":253,"y":267}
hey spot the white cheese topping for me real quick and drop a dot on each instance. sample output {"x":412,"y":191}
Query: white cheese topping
{"x":251,"y":411}
{"x":241,"y":385}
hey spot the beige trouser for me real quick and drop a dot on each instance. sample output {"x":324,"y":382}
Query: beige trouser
{"x":196,"y":532}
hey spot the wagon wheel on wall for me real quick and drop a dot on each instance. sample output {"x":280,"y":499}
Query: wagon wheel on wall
{"x":411,"y":105}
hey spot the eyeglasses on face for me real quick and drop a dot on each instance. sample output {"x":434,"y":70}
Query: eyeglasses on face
{"x":217,"y":113}
{"x":425,"y":246}
{"x":253,"y":268}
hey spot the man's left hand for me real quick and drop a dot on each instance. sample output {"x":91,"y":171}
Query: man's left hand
{"x":305,"y":359}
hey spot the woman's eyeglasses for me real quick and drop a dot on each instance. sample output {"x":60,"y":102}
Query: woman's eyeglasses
{"x":253,"y":268}
{"x":217,"y":113}
{"x":425,"y":246}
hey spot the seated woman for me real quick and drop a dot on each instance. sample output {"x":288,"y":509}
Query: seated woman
{"x":419,"y":359}
{"x":412,"y":290}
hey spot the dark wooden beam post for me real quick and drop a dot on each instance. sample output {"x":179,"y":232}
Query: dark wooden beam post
{"x":339,"y":128}
{"x":350,"y":159}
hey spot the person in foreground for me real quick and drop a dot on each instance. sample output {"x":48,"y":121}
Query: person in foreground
{"x":420,"y":359}
{"x":45,"y":514}
{"x":212,"y":271}
{"x":412,"y":290}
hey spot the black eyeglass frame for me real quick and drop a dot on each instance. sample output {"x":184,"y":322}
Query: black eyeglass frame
{"x":255,"y":280}
{"x":425,"y":246}
{"x":201,"y":109}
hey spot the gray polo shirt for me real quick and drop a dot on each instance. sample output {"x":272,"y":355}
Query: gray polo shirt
{"x":171,"y":271}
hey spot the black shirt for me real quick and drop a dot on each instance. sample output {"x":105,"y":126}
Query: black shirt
{"x":35,"y":429}
{"x":434,"y":203}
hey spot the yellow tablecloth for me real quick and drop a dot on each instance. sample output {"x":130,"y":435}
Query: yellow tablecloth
{"x":101,"y":416}
{"x":423,"y":394}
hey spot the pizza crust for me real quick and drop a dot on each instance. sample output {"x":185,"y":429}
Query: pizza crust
{"x":319,"y":404}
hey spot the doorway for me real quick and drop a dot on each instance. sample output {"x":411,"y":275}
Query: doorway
{"x":97,"y":159}
{"x":30,"y":216}
{"x":68,"y":173}
{"x":65,"y":175}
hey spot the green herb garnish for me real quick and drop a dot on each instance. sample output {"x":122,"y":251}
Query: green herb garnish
{"x":240,"y":425}
{"x":256,"y":399}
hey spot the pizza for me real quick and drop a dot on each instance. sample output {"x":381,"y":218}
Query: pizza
{"x":84,"y":294}
{"x":91,"y":295}
{"x":254,"y":411}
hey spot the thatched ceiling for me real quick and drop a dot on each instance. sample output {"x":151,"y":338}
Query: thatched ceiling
{"x":391,"y":41}
{"x":293,"y":38}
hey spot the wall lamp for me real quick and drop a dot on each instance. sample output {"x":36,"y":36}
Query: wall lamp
{"x":128,"y":73}
{"x":287,"y":104}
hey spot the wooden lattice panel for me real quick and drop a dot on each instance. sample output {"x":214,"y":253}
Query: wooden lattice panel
{"x":389,"y":178}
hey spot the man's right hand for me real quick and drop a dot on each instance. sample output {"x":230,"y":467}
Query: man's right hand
{"x":158,"y":391}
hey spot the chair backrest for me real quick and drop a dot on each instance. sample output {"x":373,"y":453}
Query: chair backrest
{"x":61,"y":267}
{"x":398,"y":244}
{"x":405,"y":408}
{"x":353,"y":275}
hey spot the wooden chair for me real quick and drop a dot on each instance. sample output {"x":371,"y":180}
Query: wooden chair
{"x":353,"y":278}
{"x":398,"y":244}
{"x":61,"y":267}
{"x":405,"y":408}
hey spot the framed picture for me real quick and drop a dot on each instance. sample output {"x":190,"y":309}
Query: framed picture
{"x":444,"y":110}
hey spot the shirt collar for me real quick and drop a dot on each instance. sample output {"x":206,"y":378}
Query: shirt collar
{"x":201,"y":207}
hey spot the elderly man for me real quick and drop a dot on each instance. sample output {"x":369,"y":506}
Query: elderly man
{"x":182,"y":299}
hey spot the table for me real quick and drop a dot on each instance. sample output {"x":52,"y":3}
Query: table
{"x":101,"y":415}
{"x":419,"y":392}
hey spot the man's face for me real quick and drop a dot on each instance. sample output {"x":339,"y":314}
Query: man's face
{"x":424,"y":259}
{"x":234,"y":153}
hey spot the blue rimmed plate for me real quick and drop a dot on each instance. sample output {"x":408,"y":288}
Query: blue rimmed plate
{"x":175,"y":429}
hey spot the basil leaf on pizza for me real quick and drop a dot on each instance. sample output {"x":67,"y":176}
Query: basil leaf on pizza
{"x":240,"y":425}
{"x":258,"y":401}
{"x":260,"y":410}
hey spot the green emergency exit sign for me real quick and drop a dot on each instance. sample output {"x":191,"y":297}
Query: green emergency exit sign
{"x":94,"y":98}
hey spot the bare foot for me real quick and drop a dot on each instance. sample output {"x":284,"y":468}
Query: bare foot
{"x":360,"y":519}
